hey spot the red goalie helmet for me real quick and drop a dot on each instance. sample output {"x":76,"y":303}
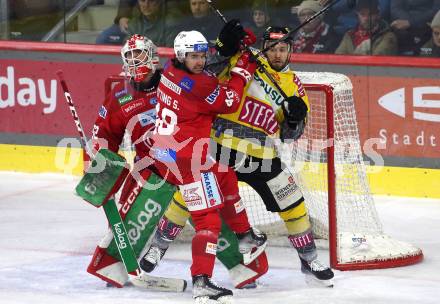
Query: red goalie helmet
{"x":139,"y":55}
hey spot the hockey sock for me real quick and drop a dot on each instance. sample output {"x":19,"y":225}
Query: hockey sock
{"x":177,"y":211}
{"x":300,"y":232}
{"x":204,"y":243}
{"x":234,"y":214}
{"x":204,"y":247}
{"x":166,"y":232}
{"x":304,"y":244}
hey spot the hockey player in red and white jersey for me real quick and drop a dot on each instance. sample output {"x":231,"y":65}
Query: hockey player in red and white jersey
{"x":188,"y":101}
{"x":248,"y":144}
{"x":128,"y":106}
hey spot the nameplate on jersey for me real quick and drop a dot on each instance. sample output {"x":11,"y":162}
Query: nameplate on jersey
{"x":203,"y":194}
{"x":170,"y":85}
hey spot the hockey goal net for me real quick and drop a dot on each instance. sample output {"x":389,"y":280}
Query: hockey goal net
{"x":327,"y":163}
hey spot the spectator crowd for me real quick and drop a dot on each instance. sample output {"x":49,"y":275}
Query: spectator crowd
{"x":360,"y":27}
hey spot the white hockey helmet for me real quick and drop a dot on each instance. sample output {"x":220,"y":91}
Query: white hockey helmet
{"x":186,"y":42}
{"x":144,"y":62}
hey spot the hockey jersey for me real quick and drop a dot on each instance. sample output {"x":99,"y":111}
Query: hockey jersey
{"x":253,"y":128}
{"x":130,"y":107}
{"x":187,"y":106}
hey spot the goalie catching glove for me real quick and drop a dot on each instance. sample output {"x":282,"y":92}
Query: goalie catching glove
{"x":295,"y":118}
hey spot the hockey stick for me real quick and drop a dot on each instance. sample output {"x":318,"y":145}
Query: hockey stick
{"x":259,"y":64}
{"x":261,"y":52}
{"x":118,"y":229}
{"x":255,"y":56}
{"x":307,"y":21}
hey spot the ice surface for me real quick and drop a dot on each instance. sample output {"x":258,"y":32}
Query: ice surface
{"x":47,"y":236}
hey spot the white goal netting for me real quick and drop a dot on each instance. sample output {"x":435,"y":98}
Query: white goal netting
{"x":359,"y":234}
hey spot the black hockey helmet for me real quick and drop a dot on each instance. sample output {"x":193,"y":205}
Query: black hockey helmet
{"x":273,"y":33}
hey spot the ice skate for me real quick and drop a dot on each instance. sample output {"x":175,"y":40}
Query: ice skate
{"x":317,"y":273}
{"x":152,"y":258}
{"x":207,"y":292}
{"x":251,"y":244}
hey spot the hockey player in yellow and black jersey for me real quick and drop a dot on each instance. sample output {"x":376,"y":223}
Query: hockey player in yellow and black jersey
{"x":247,"y":136}
{"x":246,"y":142}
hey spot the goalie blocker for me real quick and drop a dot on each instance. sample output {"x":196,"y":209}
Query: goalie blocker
{"x":141,"y":209}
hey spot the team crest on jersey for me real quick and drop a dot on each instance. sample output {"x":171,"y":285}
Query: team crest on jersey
{"x":213,"y":96}
{"x":102,"y":112}
{"x":153,"y":101}
{"x":186,"y":84}
{"x":124,"y":99}
{"x":165,"y":155}
{"x":147,"y":117}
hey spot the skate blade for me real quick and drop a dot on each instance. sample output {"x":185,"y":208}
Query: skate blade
{"x":251,"y":256}
{"x":312,"y":281}
{"x":221,"y":300}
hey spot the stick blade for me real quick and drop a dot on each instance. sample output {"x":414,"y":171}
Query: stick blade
{"x":158,"y":283}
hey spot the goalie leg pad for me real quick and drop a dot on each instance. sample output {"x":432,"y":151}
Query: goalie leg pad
{"x":242,"y":275}
{"x":107,"y":268}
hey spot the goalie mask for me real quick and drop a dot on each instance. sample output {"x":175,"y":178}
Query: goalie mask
{"x":273,"y":33}
{"x":139,"y":55}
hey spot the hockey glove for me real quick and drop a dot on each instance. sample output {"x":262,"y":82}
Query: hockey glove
{"x":250,"y":38}
{"x":228,"y":41}
{"x":296,"y":110}
{"x":295,"y":118}
{"x":245,"y":67}
{"x":292,"y":131}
